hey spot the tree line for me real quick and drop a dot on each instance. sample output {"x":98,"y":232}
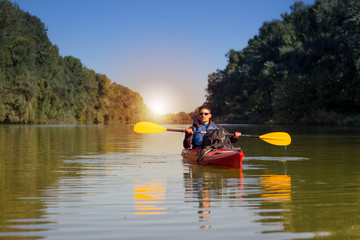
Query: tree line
{"x":302,"y":69}
{"x":38,"y":85}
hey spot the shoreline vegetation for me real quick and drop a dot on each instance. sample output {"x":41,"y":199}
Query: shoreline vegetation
{"x":303,"y":69}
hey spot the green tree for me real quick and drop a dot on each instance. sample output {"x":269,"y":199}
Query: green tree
{"x":38,"y":85}
{"x":301,"y":69}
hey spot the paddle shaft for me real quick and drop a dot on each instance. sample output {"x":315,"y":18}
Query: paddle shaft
{"x":250,"y":136}
{"x":229,"y":134}
{"x":182,"y":130}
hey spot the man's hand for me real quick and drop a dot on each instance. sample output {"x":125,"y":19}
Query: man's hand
{"x":237,"y":134}
{"x":189,"y":131}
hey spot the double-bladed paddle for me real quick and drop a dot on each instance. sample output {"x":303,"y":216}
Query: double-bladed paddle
{"x":275,"y":138}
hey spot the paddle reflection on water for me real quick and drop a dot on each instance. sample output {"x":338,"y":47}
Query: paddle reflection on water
{"x":275,"y":187}
{"x":149,"y":197}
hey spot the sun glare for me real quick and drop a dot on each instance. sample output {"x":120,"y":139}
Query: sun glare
{"x":158,"y":107}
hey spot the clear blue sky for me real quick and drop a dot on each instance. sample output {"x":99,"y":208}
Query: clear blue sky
{"x":162,"y":49}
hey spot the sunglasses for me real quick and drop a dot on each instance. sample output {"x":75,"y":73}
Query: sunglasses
{"x":204,"y":114}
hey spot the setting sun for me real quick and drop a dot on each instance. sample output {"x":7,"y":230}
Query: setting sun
{"x":158,"y":106}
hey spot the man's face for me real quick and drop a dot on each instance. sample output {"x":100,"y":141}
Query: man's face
{"x":204,"y":116}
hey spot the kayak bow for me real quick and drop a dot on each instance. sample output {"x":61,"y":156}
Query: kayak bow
{"x":221,"y":157}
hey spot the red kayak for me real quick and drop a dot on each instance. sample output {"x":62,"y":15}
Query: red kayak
{"x":221,"y":157}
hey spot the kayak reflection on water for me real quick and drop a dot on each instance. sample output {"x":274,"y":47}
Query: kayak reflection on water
{"x":207,"y":185}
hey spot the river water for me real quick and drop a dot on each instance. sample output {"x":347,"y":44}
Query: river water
{"x":107,"y":182}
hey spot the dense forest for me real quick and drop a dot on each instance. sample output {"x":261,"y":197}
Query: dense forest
{"x":302,"y":69}
{"x":38,"y":85}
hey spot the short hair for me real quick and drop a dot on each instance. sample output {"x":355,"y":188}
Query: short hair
{"x":205,"y":107}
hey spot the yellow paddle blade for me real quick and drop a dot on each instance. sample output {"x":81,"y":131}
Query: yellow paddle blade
{"x":148,"y":127}
{"x":277,"y":138}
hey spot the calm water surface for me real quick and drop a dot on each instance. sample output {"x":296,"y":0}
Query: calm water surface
{"x":107,"y":182}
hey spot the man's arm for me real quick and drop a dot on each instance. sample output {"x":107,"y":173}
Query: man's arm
{"x":189,"y":136}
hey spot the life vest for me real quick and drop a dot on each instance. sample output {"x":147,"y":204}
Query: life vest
{"x":200,"y":127}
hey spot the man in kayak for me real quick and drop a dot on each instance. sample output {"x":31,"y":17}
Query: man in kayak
{"x":193,"y":140}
